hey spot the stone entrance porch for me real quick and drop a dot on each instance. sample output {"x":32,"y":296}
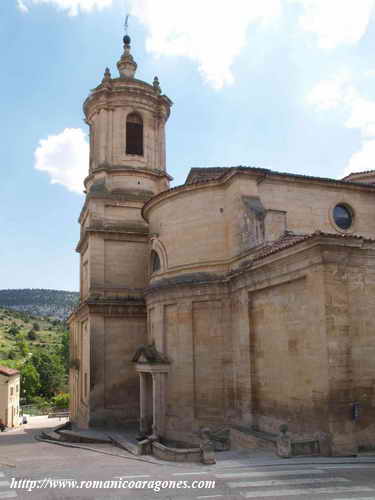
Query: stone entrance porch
{"x":152,"y":367}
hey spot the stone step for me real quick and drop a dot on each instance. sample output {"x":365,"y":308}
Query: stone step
{"x":126,"y":443}
{"x":242,"y":437}
{"x":83,"y":436}
{"x":65,"y":425}
{"x":253,"y":431}
{"x":51,"y":435}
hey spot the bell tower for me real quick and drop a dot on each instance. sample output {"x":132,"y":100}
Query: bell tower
{"x":127,"y":118}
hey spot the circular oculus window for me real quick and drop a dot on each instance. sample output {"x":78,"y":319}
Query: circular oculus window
{"x":343,"y":216}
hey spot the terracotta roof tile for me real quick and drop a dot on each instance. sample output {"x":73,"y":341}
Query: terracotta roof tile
{"x":286,"y":241}
{"x":4,"y":370}
{"x":289,"y":240}
{"x":363,"y":172}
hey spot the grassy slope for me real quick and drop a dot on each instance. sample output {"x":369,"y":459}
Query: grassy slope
{"x":49,"y":333}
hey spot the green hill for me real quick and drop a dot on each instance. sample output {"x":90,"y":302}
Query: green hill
{"x":40,"y":302}
{"x":20,"y":332}
{"x":38,"y":347}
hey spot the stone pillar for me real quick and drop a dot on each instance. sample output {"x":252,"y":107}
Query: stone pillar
{"x":284,"y":443}
{"x":143,"y":417}
{"x":158,"y":398}
{"x":207,"y":447}
{"x":109,"y":145}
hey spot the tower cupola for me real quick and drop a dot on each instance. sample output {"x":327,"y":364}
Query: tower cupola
{"x":127,"y":120}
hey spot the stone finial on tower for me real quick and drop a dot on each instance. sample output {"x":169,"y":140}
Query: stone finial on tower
{"x":156,"y":85}
{"x":106,"y":81}
{"x":107,"y":74}
{"x":126,"y":65}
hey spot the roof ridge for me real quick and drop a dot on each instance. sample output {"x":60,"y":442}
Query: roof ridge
{"x":371,"y":171}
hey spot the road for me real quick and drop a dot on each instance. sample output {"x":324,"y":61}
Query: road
{"x":235,"y":476}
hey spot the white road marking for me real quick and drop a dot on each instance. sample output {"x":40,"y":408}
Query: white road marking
{"x":188,"y":473}
{"x":269,"y":473}
{"x":8,"y":494}
{"x":210,"y":496}
{"x":287,"y":482}
{"x":307,"y":491}
{"x":349,"y":466}
{"x":239,"y":465}
{"x":130,"y":477}
{"x":229,"y":463}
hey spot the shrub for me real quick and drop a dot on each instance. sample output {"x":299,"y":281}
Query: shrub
{"x":61,"y":400}
{"x":31,"y":335}
{"x":42,"y":405}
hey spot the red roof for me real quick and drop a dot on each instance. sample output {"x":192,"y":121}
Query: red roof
{"x":354,"y":174}
{"x":289,"y":239}
{"x":8,"y":372}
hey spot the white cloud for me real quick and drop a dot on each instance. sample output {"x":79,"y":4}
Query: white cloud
{"x":21,"y":6}
{"x":330,"y":94}
{"x":213,"y":32}
{"x":64,"y":157}
{"x":73,"y":7}
{"x":336,"y":22}
{"x":362,"y":160}
{"x":210,"y":32}
{"x":340,"y":93}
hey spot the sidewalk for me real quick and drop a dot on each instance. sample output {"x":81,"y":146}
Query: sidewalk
{"x":37,"y":422}
{"x":261,"y":457}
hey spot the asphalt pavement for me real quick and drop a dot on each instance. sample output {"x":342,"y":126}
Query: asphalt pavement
{"x":30,"y":469}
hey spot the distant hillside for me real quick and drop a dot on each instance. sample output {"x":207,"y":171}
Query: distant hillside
{"x":39,"y":348}
{"x":39,"y":302}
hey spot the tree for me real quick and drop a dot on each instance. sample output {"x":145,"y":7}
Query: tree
{"x":12,"y":354}
{"x":51,"y":372}
{"x":13,"y":329}
{"x":31,"y":335}
{"x":23,"y":347}
{"x":64,"y":350}
{"x":30,"y":381}
{"x":36,"y":327}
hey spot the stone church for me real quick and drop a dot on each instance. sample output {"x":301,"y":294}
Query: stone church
{"x":244,"y":297}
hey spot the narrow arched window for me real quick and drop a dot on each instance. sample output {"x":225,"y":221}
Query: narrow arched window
{"x":134,"y":135}
{"x":155,"y":262}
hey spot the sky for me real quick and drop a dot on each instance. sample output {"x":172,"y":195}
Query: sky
{"x":281,"y":84}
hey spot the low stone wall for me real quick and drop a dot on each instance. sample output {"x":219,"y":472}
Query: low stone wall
{"x":176,"y":454}
{"x":305,"y":447}
{"x":241,"y":440}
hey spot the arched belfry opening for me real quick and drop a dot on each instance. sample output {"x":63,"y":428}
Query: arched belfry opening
{"x":134,"y":134}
